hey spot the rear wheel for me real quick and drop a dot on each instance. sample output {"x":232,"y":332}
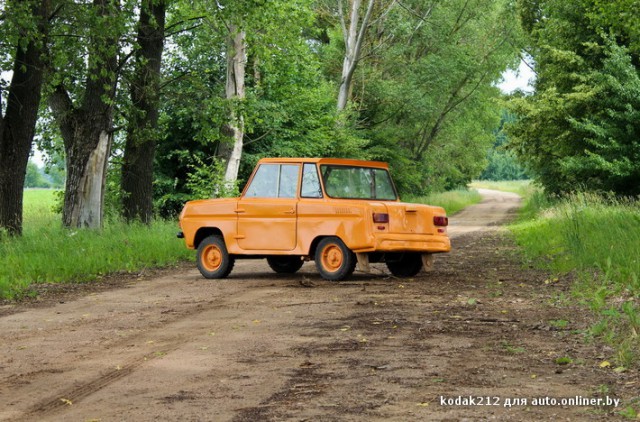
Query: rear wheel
{"x":334,"y":260}
{"x":285,"y":264}
{"x":213,"y":260}
{"x":407,"y":265}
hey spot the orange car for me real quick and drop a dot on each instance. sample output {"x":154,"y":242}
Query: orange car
{"x":336,"y":212}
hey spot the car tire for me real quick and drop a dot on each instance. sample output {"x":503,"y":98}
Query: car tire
{"x":213,"y":260}
{"x":334,"y":260}
{"x":408,"y":265}
{"x":285,"y":264}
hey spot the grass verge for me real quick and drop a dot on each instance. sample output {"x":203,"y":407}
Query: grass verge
{"x":598,"y":239}
{"x":49,"y":253}
{"x":452,"y":201}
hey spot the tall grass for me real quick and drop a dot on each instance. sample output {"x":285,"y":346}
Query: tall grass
{"x":598,"y":238}
{"x":452,"y":201}
{"x":49,"y":253}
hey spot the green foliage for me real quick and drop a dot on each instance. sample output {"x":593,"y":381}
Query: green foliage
{"x":18,"y":26}
{"x":207,"y":180}
{"x":35,"y":177}
{"x":580,"y":129}
{"x":503,"y":164}
{"x":427,"y":99}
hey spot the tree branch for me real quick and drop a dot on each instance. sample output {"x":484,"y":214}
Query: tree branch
{"x":170,"y":27}
{"x":54,"y":14}
{"x":172,"y":80}
{"x":258,"y":138}
{"x":171,"y":34}
{"x":124,"y":61}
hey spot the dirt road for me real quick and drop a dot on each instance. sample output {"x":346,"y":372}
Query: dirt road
{"x":480,"y":337}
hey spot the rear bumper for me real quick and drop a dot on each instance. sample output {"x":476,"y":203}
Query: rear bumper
{"x":409,"y":243}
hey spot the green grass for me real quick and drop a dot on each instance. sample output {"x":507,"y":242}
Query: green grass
{"x":452,"y":201}
{"x":49,"y":253}
{"x":598,"y":239}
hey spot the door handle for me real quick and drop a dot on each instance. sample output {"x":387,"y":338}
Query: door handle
{"x":291,"y":211}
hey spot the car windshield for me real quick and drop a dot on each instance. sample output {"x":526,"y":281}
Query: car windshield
{"x":357,"y":183}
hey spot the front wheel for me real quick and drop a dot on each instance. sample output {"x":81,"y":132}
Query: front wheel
{"x":408,"y":265}
{"x":334,"y":260}
{"x":285,"y":264}
{"x":213,"y":260}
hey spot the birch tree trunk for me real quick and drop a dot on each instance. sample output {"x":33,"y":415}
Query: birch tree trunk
{"x":353,"y":38}
{"x":235,"y":93}
{"x":17,"y":126}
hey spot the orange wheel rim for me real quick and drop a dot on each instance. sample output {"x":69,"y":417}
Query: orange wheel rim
{"x":211,"y":258}
{"x":332,"y":258}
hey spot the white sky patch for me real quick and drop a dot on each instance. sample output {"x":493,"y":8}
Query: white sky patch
{"x":521,"y":78}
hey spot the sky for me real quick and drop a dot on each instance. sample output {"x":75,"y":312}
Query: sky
{"x":522,"y":78}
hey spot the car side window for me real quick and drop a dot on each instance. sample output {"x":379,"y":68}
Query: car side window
{"x":274,"y":181}
{"x":288,"y":181}
{"x":310,"y":182}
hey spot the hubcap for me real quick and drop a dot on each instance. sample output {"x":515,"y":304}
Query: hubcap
{"x":211,"y":258}
{"x":332,"y":258}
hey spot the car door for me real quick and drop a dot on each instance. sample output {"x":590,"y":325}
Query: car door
{"x":267,"y":212}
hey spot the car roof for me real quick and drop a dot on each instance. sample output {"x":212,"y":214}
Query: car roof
{"x":331,"y":161}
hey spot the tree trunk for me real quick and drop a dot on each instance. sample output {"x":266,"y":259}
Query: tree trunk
{"x":353,"y":38}
{"x":235,"y":92}
{"x":142,"y":135}
{"x":86,"y":172}
{"x":17,"y":127}
{"x":87,"y":129}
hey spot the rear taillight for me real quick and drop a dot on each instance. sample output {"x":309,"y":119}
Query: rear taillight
{"x":380,"y":217}
{"x":440,"y":221}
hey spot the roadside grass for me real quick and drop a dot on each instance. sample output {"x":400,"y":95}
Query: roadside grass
{"x":452,"y":201}
{"x":598,"y":239}
{"x":49,"y":253}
